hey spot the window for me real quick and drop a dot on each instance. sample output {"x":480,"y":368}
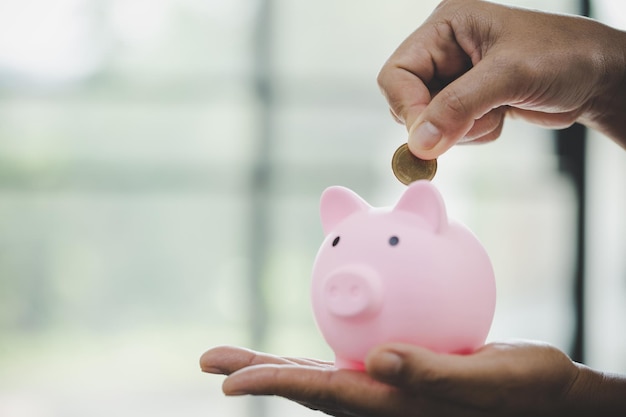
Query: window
{"x":160,"y":169}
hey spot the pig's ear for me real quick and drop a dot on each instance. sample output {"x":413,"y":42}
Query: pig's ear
{"x":423,"y":199}
{"x":336,"y":204}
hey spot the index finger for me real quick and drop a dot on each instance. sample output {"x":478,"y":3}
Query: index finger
{"x":406,"y":93}
{"x":423,"y":64}
{"x":228,"y":359}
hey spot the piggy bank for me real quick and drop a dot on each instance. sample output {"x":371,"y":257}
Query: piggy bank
{"x":402,"y":274}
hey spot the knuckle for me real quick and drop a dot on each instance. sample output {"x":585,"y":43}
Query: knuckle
{"x":383,"y":77}
{"x":452,"y":102}
{"x":398,"y":111}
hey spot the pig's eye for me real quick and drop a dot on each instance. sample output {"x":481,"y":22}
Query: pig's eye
{"x":393,"y":240}
{"x":336,"y":241}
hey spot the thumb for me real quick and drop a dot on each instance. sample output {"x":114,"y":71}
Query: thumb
{"x":412,"y":368}
{"x":453,"y":111}
{"x":404,"y":366}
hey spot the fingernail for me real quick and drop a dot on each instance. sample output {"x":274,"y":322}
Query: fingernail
{"x":425,"y":136}
{"x":211,"y":370}
{"x":235,"y":393}
{"x":230,"y":391}
{"x":389,"y":364}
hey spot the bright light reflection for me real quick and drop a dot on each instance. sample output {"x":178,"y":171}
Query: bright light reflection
{"x":46,"y":41}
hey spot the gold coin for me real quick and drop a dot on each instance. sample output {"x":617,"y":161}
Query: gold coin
{"x":408,"y":167}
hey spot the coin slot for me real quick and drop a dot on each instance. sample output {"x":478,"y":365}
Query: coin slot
{"x":336,"y":241}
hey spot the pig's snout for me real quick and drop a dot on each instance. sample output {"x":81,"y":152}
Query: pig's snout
{"x":353,"y":292}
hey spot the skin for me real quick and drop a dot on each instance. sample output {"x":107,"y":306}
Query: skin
{"x":454,"y":80}
{"x":472,"y":63}
{"x":500,"y":379}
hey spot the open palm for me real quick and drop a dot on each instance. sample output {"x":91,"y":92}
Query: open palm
{"x":499,"y":379}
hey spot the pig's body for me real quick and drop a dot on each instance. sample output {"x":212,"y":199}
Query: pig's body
{"x":400,"y":274}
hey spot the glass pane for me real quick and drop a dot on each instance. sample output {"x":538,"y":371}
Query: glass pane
{"x":606,"y":267}
{"x":157,"y":200}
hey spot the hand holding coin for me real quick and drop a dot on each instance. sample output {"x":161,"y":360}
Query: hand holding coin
{"x":408,"y":167}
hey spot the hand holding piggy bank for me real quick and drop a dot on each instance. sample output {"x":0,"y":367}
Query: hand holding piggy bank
{"x":401,"y":274}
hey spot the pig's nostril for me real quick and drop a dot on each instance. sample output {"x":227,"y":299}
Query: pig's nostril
{"x":354,"y":291}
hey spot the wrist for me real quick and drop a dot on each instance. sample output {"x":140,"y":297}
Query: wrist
{"x":595,"y":393}
{"x":608,"y":106}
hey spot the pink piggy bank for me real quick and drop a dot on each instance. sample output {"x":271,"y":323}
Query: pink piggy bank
{"x":401,"y":274}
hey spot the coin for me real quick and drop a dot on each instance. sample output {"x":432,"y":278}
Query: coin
{"x":408,"y":167}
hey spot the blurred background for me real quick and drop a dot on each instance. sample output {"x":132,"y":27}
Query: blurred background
{"x":161,"y":164}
